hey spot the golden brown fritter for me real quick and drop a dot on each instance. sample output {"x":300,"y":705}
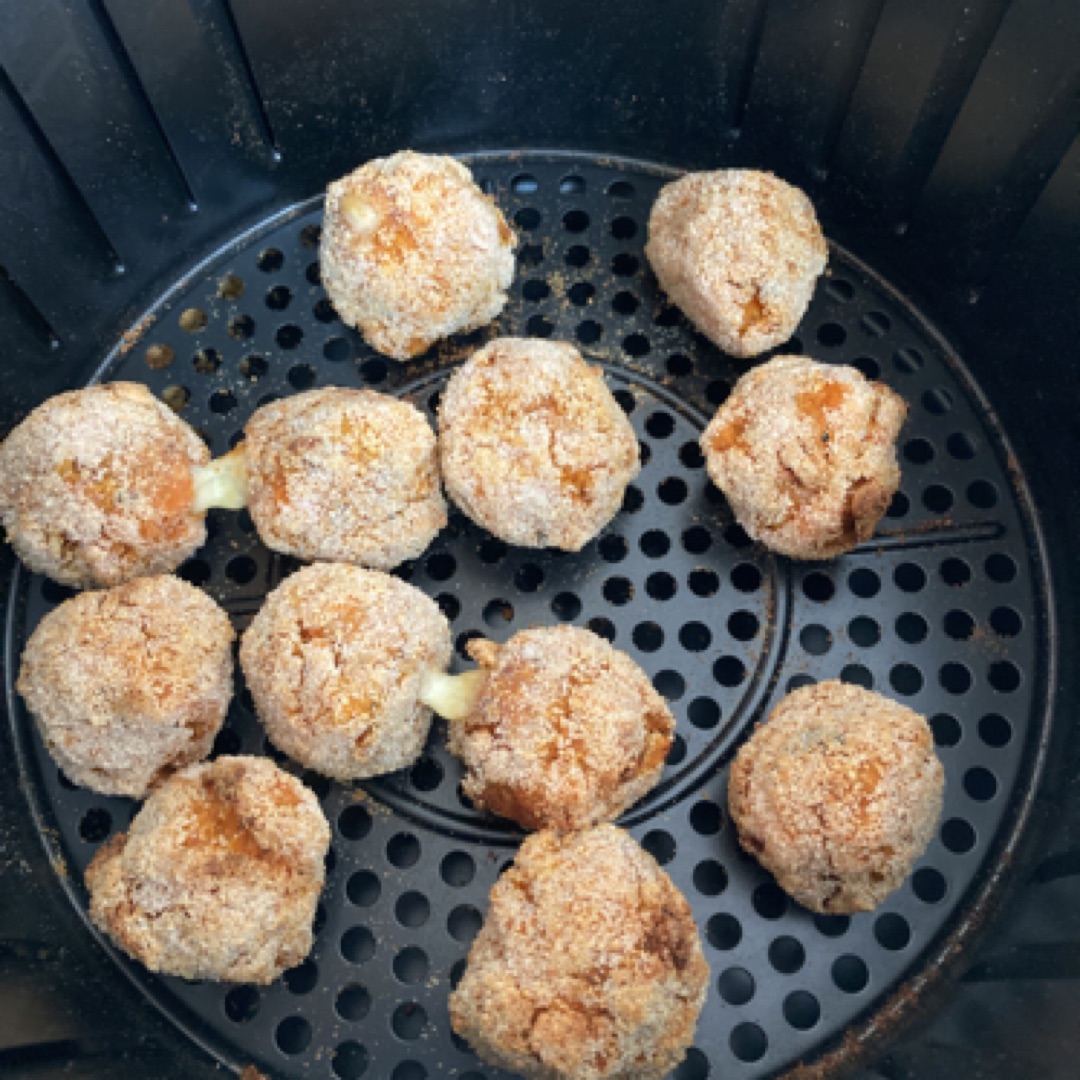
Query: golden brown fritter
{"x":588,"y":966}
{"x":130,"y":684}
{"x":806,"y":455}
{"x":739,"y":251}
{"x":96,"y":486}
{"x":534,"y":447}
{"x":334,"y":660}
{"x":344,"y":475}
{"x":413,"y":251}
{"x":218,"y":876}
{"x":838,"y":794}
{"x":567,"y":731}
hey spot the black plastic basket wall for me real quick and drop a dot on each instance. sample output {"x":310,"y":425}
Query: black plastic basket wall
{"x":159,"y":216}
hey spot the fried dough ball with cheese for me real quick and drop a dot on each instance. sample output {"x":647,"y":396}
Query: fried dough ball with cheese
{"x":218,"y":876}
{"x":413,"y":251}
{"x":96,"y":486}
{"x":534,"y":446}
{"x":335,"y":659}
{"x":130,"y":684}
{"x":588,"y":965}
{"x":566,"y":731}
{"x":344,"y":475}
{"x":838,"y":794}
{"x":739,"y":251}
{"x":806,"y":455}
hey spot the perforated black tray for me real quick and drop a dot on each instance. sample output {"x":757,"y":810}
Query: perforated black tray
{"x":944,"y":610}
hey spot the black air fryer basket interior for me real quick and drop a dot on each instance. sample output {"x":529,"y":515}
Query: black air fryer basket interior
{"x":160,"y":204}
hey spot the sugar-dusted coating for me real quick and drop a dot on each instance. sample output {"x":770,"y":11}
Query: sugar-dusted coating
{"x":534,"y":446}
{"x":344,"y":475}
{"x":588,"y":965}
{"x":806,"y":455}
{"x":96,"y":486}
{"x":838,"y":794}
{"x":567,"y":731}
{"x":334,"y":660}
{"x":739,"y":251}
{"x":130,"y":684}
{"x":218,"y":876}
{"x":413,"y":251}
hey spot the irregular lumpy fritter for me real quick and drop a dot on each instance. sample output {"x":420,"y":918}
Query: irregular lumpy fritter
{"x":413,"y":251}
{"x":334,"y":661}
{"x":344,"y":475}
{"x":838,"y":794}
{"x":588,"y":966}
{"x":96,"y":486}
{"x":739,"y":251}
{"x":130,"y":684}
{"x":218,"y":876}
{"x":567,"y":730}
{"x":534,"y":446}
{"x":806,"y":455}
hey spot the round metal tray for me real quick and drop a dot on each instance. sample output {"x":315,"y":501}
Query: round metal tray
{"x":944,"y":610}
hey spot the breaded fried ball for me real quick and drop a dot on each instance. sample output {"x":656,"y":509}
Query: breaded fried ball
{"x":96,"y":486}
{"x":588,"y":965}
{"x":806,"y":455}
{"x":739,"y":251}
{"x":838,"y":794}
{"x":534,"y":446}
{"x":218,"y":876}
{"x":566,"y":732}
{"x":344,"y":475}
{"x":413,"y":251}
{"x":334,"y":660}
{"x":130,"y":684}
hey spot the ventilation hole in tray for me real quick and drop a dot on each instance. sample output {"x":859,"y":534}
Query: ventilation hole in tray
{"x":995,"y":731}
{"x":958,"y":836}
{"x":723,"y":932}
{"x":959,"y":625}
{"x":850,"y":974}
{"x":946,"y":729}
{"x":612,"y":548}
{"x":302,"y":979}
{"x":363,"y":889}
{"x":464,"y":923}
{"x":575,"y":221}
{"x":706,"y":818}
{"x":409,"y":1070}
{"x":648,"y":637}
{"x":411,"y":965}
{"x":748,"y":1042}
{"x":426,"y":774}
{"x":457,"y":869}
{"x":660,"y":845}
{"x":908,"y":361}
{"x":819,"y":587}
{"x":703,"y":713}
{"x":293,"y":1035}
{"x":578,"y":256}
{"x":354,"y":823}
{"x":801,"y":1010}
{"x":831,"y":334}
{"x":242,"y":1004}
{"x":736,"y":985}
{"x":350,"y":1061}
{"x":95,"y":826}
{"x":929,"y":885}
{"x":815,"y":639}
{"x":158,"y":357}
{"x":770,"y":901}
{"x":403,"y":851}
{"x":710,"y":878}
{"x":602,"y":627}
{"x":528,"y":218}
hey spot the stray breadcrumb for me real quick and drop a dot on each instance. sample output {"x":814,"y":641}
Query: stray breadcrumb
{"x":739,"y":251}
{"x":534,"y":446}
{"x":334,"y":661}
{"x":838,"y":794}
{"x":806,"y":455}
{"x":218,"y":876}
{"x":131,"y":684}
{"x":413,"y":251}
{"x":588,"y":966}
{"x":567,"y":731}
{"x":344,"y":475}
{"x":96,"y":486}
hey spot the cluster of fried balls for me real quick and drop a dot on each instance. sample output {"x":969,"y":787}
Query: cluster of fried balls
{"x":589,"y":963}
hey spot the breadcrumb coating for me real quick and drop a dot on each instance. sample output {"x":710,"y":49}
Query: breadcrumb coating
{"x":588,"y":966}
{"x":567,"y":731}
{"x":334,"y":660}
{"x":130,"y":684}
{"x":413,"y":251}
{"x":218,"y":876}
{"x":344,"y":475}
{"x":806,"y":455}
{"x":739,"y":251}
{"x":96,"y":486}
{"x":534,"y":446}
{"x":838,"y":794}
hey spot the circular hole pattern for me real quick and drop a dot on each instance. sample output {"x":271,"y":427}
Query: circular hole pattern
{"x":303,"y":978}
{"x":464,"y":923}
{"x":736,"y":985}
{"x":801,"y":1010}
{"x":850,"y":974}
{"x":748,"y":1042}
{"x":403,"y":851}
{"x":363,"y":888}
{"x":710,"y":878}
{"x":660,"y":845}
{"x":958,"y":836}
{"x":929,"y":885}
{"x":787,"y":955}
{"x":457,"y":869}
{"x":293,"y":1035}
{"x":412,"y":909}
{"x":242,"y":1004}
{"x":411,"y":965}
{"x":350,"y":1061}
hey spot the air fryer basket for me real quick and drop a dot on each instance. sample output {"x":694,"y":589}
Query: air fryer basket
{"x":182,"y":251}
